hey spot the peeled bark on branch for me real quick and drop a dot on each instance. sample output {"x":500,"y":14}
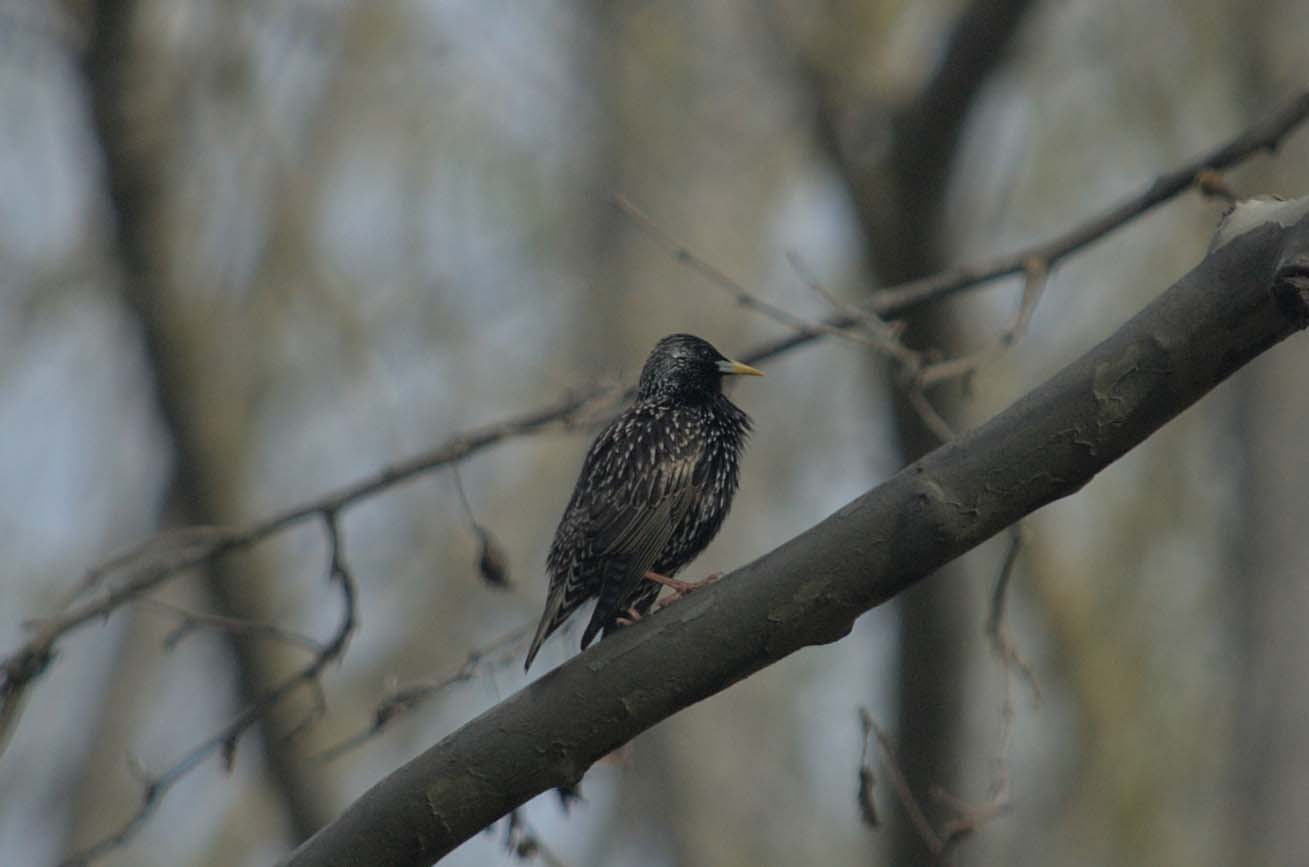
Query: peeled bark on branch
{"x":1249,"y":293}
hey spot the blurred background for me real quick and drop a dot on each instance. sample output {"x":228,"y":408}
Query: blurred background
{"x":253,"y":250}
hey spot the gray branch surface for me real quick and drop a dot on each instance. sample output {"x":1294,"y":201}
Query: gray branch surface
{"x":1249,"y":293}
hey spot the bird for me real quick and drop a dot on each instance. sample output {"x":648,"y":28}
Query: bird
{"x":654,"y":490}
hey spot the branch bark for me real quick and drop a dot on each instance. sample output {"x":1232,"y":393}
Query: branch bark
{"x":1251,"y":292}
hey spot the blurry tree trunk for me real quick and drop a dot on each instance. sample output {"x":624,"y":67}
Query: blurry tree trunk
{"x":938,"y":625}
{"x":899,"y":203}
{"x":1270,"y":597}
{"x":1273,"y":728}
{"x":937,"y":622}
{"x":203,"y":415}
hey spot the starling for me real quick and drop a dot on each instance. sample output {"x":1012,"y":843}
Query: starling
{"x":653,"y":492}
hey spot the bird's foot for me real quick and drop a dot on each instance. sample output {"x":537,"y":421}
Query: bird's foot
{"x":628,"y":617}
{"x":680,"y":588}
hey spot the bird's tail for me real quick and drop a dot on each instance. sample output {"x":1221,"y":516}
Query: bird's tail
{"x":550,"y":620}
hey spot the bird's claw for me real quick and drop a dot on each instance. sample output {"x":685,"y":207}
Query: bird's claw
{"x":682,"y":588}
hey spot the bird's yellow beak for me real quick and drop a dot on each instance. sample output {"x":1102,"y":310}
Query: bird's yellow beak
{"x":736,"y":368}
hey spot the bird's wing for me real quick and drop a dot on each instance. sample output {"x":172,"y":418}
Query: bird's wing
{"x":636,"y":484}
{"x":639,"y":501}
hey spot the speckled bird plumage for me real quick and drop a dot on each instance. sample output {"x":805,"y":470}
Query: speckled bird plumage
{"x":654,"y":489}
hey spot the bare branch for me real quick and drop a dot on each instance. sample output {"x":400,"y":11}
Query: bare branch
{"x":719,"y":278}
{"x":146,"y":572}
{"x":182,"y":543}
{"x":902,"y":790}
{"x":968,"y":817}
{"x":996,"y":631}
{"x":405,"y":699}
{"x":224,"y":741}
{"x":934,"y":421}
{"x":492,"y":562}
{"x":1014,"y":666}
{"x":1263,"y":136}
{"x":191,"y":621}
{"x":885,"y":336}
{"x":864,"y":327}
{"x":940,"y":844}
{"x":1034,"y":284}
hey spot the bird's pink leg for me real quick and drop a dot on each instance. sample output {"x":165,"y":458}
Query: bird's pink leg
{"x":680,"y":588}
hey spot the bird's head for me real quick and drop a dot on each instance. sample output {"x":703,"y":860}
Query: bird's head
{"x":685,"y":367}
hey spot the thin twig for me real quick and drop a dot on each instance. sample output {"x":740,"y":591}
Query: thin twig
{"x":402,"y":700}
{"x":885,"y":335}
{"x":934,"y":421}
{"x":23,"y":666}
{"x":866,"y":327}
{"x":190,"y":621}
{"x":716,"y":276}
{"x":1037,"y":277}
{"x":1013,"y":664}
{"x":996,"y":631}
{"x":224,"y":742}
{"x":810,"y":279}
{"x":178,"y":542}
{"x":902,"y":790}
{"x":1264,"y":135}
{"x":463,"y":497}
{"x":967,"y":817}
{"x":967,"y":820}
{"x":492,"y":563}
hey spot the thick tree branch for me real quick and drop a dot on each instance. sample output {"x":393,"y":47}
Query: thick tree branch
{"x":1251,"y":292}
